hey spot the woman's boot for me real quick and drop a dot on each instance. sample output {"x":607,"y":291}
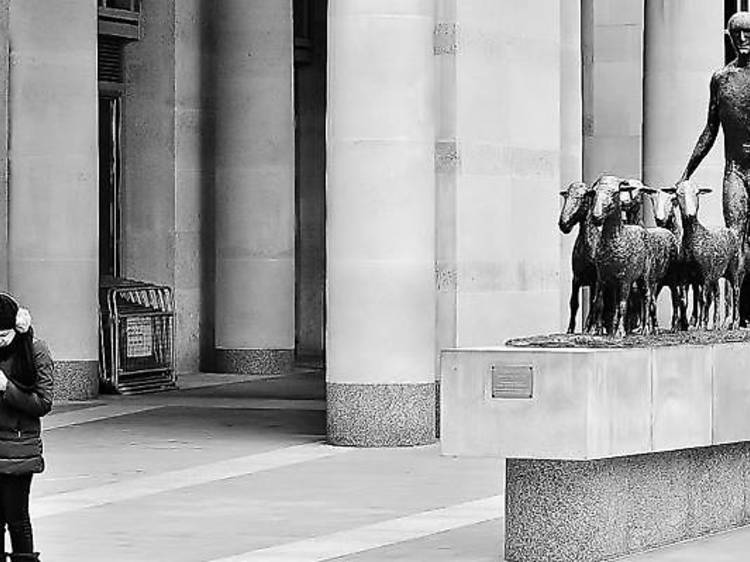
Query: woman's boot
{"x":24,"y":557}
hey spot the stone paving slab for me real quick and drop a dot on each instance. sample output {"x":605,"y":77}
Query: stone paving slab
{"x":476,"y":543}
{"x":287,"y":504}
{"x":169,"y":438}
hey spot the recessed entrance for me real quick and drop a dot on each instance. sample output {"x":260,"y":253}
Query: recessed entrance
{"x":310,"y":23}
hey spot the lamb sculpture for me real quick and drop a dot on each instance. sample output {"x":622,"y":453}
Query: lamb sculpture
{"x":622,"y":256}
{"x":712,"y":253}
{"x":578,"y":199}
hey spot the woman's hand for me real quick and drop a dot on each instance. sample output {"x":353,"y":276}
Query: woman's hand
{"x":3,"y":381}
{"x":23,"y":320}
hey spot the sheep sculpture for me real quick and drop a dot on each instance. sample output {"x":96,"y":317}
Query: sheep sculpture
{"x":578,"y":201}
{"x":665,"y":266}
{"x":622,"y":257}
{"x":667,"y":215}
{"x":711,"y":253}
{"x":627,"y":265}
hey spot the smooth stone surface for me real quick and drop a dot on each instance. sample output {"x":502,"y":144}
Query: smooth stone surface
{"x":381,"y":415}
{"x":731,"y":393}
{"x":681,"y":395}
{"x":594,"y":510}
{"x":595,"y":403}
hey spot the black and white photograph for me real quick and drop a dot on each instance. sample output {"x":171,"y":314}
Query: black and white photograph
{"x":374,"y":280}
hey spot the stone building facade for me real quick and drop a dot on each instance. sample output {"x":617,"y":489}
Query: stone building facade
{"x":365,"y":181}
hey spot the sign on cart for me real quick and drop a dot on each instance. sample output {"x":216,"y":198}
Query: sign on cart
{"x":140,"y":337}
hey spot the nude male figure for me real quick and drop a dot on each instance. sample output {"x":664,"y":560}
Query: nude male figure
{"x":729,"y":106}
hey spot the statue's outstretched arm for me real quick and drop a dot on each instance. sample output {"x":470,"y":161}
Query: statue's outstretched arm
{"x":708,"y":136}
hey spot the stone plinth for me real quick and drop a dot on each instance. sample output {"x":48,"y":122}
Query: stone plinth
{"x":596,"y":403}
{"x":610,"y":451}
{"x":595,"y":510}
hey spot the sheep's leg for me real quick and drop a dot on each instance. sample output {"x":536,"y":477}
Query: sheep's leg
{"x":683,"y":297}
{"x":678,"y":308}
{"x":621,"y":313}
{"x":575,"y":288}
{"x":596,"y":314}
{"x":649,"y":305}
{"x":697,"y":314}
{"x":654,"y":292}
{"x":738,"y":276}
{"x":708,"y":300}
{"x":738,"y":298}
{"x":705,"y":306}
{"x":593,"y":313}
{"x":675,"y":308}
{"x":717,"y":304}
{"x":728,"y":303}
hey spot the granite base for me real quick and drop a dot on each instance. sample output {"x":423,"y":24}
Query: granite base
{"x":601,"y":509}
{"x":76,"y":380}
{"x":254,"y":361}
{"x":381,"y":415}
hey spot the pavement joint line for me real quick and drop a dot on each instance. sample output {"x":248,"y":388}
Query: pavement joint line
{"x":246,"y":403}
{"x":378,"y":535}
{"x":95,"y":413}
{"x":143,"y":486}
{"x":106,"y":411}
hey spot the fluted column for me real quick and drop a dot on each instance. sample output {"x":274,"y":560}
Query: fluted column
{"x":381,"y":223}
{"x":684,"y":45}
{"x":254,"y":186}
{"x":53,"y":191}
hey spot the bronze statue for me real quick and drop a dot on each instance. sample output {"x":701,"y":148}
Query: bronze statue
{"x":578,"y":199}
{"x":729,"y":107}
{"x":710,"y":254}
{"x":622,"y":257}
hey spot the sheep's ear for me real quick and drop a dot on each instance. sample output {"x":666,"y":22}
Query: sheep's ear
{"x":669,"y":189}
{"x":648,"y":189}
{"x":704,"y":189}
{"x":630,"y":185}
{"x":563,"y":192}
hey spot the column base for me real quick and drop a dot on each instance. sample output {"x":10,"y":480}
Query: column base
{"x":76,"y":380}
{"x":381,"y":415}
{"x":254,"y":361}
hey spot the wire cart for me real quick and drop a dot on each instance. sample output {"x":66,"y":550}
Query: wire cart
{"x":137,"y":337}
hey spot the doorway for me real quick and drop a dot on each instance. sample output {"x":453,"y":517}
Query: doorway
{"x":110,"y":180}
{"x":310,"y":46}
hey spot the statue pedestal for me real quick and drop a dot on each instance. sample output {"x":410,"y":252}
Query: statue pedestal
{"x":610,"y":451}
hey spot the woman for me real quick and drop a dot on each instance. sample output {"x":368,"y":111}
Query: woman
{"x":26,"y":371}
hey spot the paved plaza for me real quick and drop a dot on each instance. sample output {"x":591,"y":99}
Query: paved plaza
{"x":229,"y":469}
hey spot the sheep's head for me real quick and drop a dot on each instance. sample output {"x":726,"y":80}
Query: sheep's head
{"x":665,"y":200}
{"x":577,"y":198}
{"x":631,"y":203}
{"x":607,"y":196}
{"x":688,"y":197}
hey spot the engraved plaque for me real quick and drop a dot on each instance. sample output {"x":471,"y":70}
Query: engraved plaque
{"x":512,"y":381}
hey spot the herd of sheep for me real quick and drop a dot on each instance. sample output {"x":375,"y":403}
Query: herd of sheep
{"x":626,"y":264}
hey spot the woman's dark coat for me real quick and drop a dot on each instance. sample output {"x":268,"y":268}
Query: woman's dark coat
{"x":20,"y":427}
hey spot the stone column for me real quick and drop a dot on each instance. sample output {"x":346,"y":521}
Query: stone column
{"x":508,"y":114}
{"x":53,"y":201}
{"x":381,"y":223}
{"x":571,"y":135}
{"x":684,"y":45}
{"x":254,"y":193}
{"x":612,"y":87}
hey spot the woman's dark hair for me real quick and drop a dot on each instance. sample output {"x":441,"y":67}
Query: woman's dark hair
{"x":23,"y":370}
